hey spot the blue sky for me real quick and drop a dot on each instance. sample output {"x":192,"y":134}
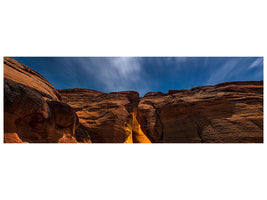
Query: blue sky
{"x":143,"y":74}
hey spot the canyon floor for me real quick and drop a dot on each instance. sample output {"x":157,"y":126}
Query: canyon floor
{"x":36,"y":112}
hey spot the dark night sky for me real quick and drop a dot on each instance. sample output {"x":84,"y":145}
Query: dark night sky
{"x":143,"y":74}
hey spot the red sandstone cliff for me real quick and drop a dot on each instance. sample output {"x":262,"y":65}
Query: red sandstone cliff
{"x":36,"y":112}
{"x":109,"y":118}
{"x":228,"y":112}
{"x":32,"y":108}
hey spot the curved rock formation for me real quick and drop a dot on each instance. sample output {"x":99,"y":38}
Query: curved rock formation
{"x":228,"y":112}
{"x":32,"y":108}
{"x":105,"y":118}
{"x":34,"y":111}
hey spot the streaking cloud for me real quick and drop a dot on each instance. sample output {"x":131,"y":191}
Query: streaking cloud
{"x":257,"y":63}
{"x":144,"y":74}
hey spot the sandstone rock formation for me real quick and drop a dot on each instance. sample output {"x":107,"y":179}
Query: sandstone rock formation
{"x":32,"y":108}
{"x":105,"y":118}
{"x":36,"y":112}
{"x":229,"y":112}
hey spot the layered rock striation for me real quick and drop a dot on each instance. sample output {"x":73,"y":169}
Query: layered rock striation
{"x":106,"y":117}
{"x":229,"y":112}
{"x":34,"y":111}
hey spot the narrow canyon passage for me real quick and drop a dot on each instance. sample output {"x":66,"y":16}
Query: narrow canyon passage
{"x":34,"y":111}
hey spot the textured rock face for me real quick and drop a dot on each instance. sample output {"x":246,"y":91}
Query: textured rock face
{"x":34,"y":111}
{"x":32,"y":108}
{"x":105,"y":118}
{"x":228,"y":112}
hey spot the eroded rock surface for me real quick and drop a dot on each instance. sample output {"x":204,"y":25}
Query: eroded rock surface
{"x":34,"y":111}
{"x":105,"y":118}
{"x":229,"y":112}
{"x":32,"y":108}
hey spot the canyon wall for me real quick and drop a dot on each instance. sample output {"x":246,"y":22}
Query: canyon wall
{"x":106,"y":118}
{"x":228,"y":112}
{"x":34,"y":111}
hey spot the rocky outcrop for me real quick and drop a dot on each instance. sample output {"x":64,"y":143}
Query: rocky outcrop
{"x":34,"y":111}
{"x":106,"y":118}
{"x":32,"y":108}
{"x":229,"y":112}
